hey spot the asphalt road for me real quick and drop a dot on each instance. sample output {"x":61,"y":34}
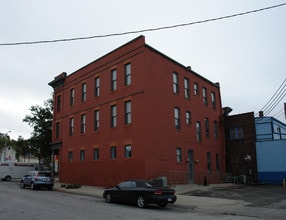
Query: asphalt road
{"x":17,"y":203}
{"x":255,"y":195}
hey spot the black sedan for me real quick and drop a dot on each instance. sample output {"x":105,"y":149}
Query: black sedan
{"x":140,"y":192}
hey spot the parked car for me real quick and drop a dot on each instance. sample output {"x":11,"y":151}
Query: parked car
{"x":37,"y":179}
{"x":140,"y":192}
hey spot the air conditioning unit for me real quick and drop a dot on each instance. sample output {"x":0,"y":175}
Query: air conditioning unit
{"x":242,"y":179}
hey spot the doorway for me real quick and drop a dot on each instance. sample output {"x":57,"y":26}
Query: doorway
{"x":191,"y":166}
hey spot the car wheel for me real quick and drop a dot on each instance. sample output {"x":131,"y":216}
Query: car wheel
{"x":108,"y":198}
{"x":163,"y":204}
{"x":22,"y":185}
{"x":33,"y":187}
{"x":141,"y":202}
{"x":50,"y":188}
{"x":8,"y":178}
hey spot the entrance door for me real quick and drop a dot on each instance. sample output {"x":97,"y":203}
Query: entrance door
{"x":191,"y":166}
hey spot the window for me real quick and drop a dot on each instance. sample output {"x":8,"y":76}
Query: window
{"x":215,"y":129}
{"x":83,"y":92}
{"x":96,"y":86}
{"x":113,"y":152}
{"x":179,"y":154}
{"x":59,"y":103}
{"x":127,"y":184}
{"x":207,"y":127}
{"x":177,"y":118}
{"x":127,"y":74}
{"x":175,"y":83}
{"x":213,"y":98}
{"x":217,"y":159}
{"x":209,"y":162}
{"x":188,"y":118}
{"x":127,"y":151}
{"x":82,"y":123}
{"x":199,"y":131}
{"x":71,"y":128}
{"x":96,"y":120}
{"x":70,"y":156}
{"x":113,"y":116}
{"x":95,"y":154}
{"x":58,"y":125}
{"x":205,"y":100}
{"x":82,"y":155}
{"x":128,"y":112}
{"x":72,"y":93}
{"x":196,"y":89}
{"x":187,"y":88}
{"x":113,"y":80}
{"x":236,"y":133}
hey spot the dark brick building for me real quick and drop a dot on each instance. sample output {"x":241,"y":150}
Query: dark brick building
{"x":136,"y":113}
{"x":240,"y":145}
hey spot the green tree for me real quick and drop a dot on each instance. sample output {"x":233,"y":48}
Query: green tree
{"x":22,"y":148}
{"x":41,"y":119}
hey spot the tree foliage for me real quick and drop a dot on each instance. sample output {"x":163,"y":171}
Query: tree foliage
{"x":41,"y":119}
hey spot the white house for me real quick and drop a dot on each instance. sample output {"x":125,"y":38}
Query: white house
{"x":8,"y":154}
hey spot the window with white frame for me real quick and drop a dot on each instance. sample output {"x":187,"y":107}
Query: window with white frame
{"x":82,"y":123}
{"x":179,"y":154}
{"x":196,"y":88}
{"x":127,"y":151}
{"x":188,"y":118}
{"x":127,"y":74}
{"x":175,"y":83}
{"x":213,"y":99}
{"x":82,"y":155}
{"x":199,"y":131}
{"x":96,"y":120}
{"x":128,"y":112}
{"x":113,"y":80}
{"x":97,"y":86}
{"x":72,"y":94}
{"x":187,"y":88}
{"x":205,"y":99}
{"x":83,"y":92}
{"x":71,"y":128}
{"x":177,"y":118}
{"x":113,"y":116}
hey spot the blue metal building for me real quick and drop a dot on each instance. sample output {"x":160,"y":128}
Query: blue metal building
{"x":270,"y":149}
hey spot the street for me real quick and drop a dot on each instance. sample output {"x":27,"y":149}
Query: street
{"x":17,"y":203}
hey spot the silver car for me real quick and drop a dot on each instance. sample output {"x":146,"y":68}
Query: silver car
{"x":37,"y":179}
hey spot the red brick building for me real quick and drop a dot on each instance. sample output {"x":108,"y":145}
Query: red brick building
{"x":136,"y":113}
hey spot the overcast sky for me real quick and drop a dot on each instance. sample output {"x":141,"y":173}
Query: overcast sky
{"x":245,"y":54}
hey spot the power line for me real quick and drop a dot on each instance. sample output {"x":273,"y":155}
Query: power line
{"x":275,"y":99}
{"x":143,"y":30}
